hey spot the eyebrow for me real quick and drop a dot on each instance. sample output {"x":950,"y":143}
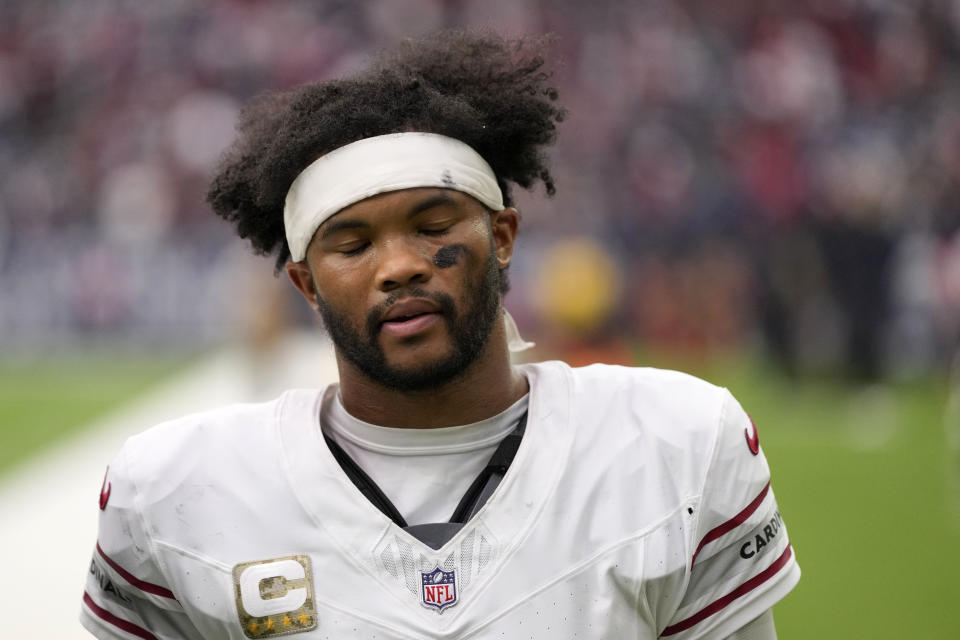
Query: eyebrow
{"x":341,"y":225}
{"x":436,"y":200}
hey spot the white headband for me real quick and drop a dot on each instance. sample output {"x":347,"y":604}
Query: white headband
{"x":377,"y":165}
{"x":385,"y":163}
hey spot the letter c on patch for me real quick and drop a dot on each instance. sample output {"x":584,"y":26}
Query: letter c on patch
{"x":251,"y":578}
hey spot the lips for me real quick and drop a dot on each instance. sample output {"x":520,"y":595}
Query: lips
{"x":410,"y":317}
{"x":409,"y":309}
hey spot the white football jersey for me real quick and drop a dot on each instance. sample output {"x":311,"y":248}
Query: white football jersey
{"x":638,"y":506}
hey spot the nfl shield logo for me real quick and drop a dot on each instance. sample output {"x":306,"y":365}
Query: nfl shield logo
{"x":438,"y":589}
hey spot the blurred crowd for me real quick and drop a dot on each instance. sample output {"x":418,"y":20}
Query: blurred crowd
{"x":774,"y":175}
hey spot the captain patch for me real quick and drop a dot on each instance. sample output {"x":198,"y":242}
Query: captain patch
{"x":275,"y":597}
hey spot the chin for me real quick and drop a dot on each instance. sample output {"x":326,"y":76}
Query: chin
{"x":421,"y":378}
{"x":421,"y":370}
{"x":417,"y":360}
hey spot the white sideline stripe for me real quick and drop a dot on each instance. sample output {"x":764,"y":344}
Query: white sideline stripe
{"x":48,"y":508}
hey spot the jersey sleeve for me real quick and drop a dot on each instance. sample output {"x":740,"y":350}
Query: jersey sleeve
{"x":742,"y":562}
{"x":126,"y":594}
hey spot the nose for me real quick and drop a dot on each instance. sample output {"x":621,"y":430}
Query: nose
{"x":401,"y":264}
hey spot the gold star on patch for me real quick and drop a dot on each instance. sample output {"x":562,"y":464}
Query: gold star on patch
{"x":287,"y":621}
{"x":304,"y":618}
{"x":270,"y":624}
{"x":253,"y":627}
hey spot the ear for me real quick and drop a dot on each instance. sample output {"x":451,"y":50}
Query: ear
{"x":503,"y":226}
{"x":301,"y":277}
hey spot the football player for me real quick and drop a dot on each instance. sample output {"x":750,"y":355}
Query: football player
{"x":436,"y":491}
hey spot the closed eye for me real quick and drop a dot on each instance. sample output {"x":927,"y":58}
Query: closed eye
{"x":435,"y":232}
{"x":355,"y":251}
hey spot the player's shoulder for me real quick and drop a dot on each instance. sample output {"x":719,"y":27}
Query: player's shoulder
{"x":210,"y":437}
{"x":660,"y":410}
{"x":625,"y":375}
{"x":657,"y":395}
{"x":650,"y":380}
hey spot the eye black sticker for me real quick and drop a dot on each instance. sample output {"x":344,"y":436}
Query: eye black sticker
{"x":448,"y":255}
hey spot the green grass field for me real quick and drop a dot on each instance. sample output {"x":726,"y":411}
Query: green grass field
{"x":43,"y":401}
{"x":864,"y":478}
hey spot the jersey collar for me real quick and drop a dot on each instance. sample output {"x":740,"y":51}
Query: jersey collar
{"x":357,"y":528}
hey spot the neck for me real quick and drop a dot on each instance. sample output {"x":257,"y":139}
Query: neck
{"x":488,"y":386}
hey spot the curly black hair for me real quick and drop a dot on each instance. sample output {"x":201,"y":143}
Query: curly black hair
{"x":487,"y":91}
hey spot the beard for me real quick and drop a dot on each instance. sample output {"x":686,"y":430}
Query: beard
{"x":469,"y":332}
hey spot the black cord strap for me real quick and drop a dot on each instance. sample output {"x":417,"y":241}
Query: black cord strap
{"x":364,"y":483}
{"x":437,"y":534}
{"x":500,"y":461}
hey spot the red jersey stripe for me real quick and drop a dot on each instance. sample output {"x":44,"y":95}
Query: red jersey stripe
{"x":144,"y":586}
{"x":120,"y":623}
{"x":731,"y":524}
{"x":721,"y":603}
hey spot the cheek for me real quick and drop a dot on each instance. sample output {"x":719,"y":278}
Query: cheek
{"x":470,"y":270}
{"x":337,"y":286}
{"x":481,"y":226}
{"x":477,"y":242}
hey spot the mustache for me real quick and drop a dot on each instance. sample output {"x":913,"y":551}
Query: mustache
{"x":376,"y":314}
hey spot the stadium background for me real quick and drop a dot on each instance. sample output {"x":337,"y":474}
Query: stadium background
{"x":764,"y":193}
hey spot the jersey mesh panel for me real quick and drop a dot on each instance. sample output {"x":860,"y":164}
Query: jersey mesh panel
{"x":407,"y":562}
{"x":449,"y":564}
{"x":486,"y":551}
{"x":466,"y":557}
{"x":399,"y":559}
{"x":388,"y":562}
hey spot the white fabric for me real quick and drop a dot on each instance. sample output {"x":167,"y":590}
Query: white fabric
{"x":424,"y":472}
{"x":621,"y":475}
{"x":377,"y":165}
{"x":515,"y":342}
